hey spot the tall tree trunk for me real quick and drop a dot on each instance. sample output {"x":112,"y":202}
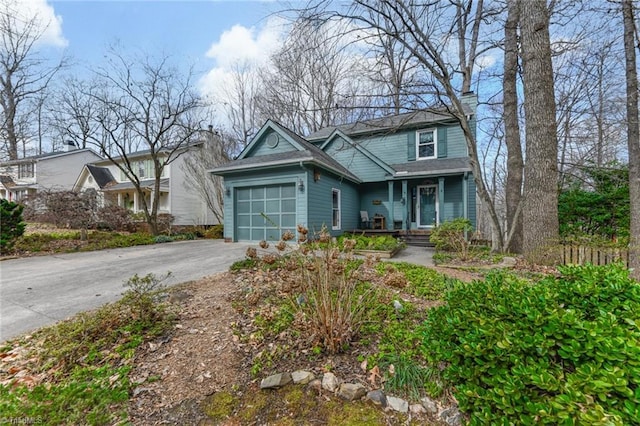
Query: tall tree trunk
{"x":513,"y":189}
{"x":540,"y":208}
{"x":633,"y":136}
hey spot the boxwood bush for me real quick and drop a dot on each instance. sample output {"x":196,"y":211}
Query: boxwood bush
{"x":564,"y":350}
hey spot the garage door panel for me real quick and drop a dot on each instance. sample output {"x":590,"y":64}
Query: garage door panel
{"x":265,"y":212}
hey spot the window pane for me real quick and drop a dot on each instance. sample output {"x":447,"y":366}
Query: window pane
{"x":335,"y":199}
{"x":257,"y":234}
{"x":243,"y":207}
{"x":273,"y":192}
{"x":244,"y":234}
{"x":273,"y":206}
{"x":257,"y":220}
{"x":426,"y":137}
{"x":336,"y":218}
{"x":288,"y":191}
{"x":257,"y":206}
{"x":243,"y":194}
{"x":244,"y":220}
{"x":257,"y":193}
{"x":288,"y":206}
{"x":288,"y":220}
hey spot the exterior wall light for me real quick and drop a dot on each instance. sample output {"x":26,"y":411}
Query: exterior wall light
{"x":301,"y":185}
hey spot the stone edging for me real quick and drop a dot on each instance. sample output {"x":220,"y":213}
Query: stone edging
{"x":355,"y":391}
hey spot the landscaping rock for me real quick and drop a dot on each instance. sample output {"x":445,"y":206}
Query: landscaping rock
{"x":429,"y":405}
{"x":417,"y":409}
{"x":315,"y":385}
{"x":302,"y":377}
{"x":330,"y":382}
{"x":275,"y":381}
{"x":351,"y":391}
{"x":451,"y":416}
{"x":377,"y":397}
{"x":398,"y":404}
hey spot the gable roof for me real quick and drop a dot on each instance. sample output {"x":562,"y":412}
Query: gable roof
{"x":338,"y":133}
{"x":46,"y":156}
{"x":7,"y":181}
{"x":390,"y":123}
{"x":101,"y":175}
{"x":305,"y":152}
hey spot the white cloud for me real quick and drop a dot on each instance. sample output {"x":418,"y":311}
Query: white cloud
{"x":50,"y":23}
{"x":240,"y":46}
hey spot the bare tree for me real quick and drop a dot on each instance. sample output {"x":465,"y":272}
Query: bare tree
{"x":198,"y":162}
{"x":240,"y":104}
{"x":428,"y":31}
{"x":515,"y":162}
{"x":540,"y":210}
{"x":72,"y":114}
{"x":633,"y":134}
{"x":24,"y":74}
{"x":144,"y":104}
{"x":314,"y":80}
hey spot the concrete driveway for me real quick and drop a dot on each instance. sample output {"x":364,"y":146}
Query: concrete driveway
{"x":41,"y":290}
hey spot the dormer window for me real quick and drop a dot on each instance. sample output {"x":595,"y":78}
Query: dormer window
{"x":426,"y":144}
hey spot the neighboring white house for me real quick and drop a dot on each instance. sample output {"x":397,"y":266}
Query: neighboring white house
{"x":186,"y":206}
{"x":56,"y":171}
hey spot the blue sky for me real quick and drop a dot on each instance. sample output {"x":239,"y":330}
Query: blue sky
{"x":184,"y":28}
{"x":209,"y":34}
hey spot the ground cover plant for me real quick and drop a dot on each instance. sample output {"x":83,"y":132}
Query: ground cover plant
{"x":72,"y":241}
{"x":564,"y":350}
{"x":364,"y":242}
{"x":77,"y":372}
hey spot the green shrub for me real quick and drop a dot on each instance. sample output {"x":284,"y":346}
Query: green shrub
{"x":12,"y":226}
{"x":363,"y":242}
{"x":564,"y":350}
{"x":163,"y":239}
{"x":143,"y":297}
{"x":215,"y":232}
{"x":452,"y":236}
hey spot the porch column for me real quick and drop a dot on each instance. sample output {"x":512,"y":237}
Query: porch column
{"x":119,"y":195}
{"x":390,"y":218}
{"x":405,"y":207}
{"x":440,"y":200}
{"x":135,"y":201}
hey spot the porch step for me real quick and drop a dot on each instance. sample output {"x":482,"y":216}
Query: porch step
{"x":416,"y":238}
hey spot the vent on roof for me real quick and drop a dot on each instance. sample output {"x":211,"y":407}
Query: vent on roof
{"x":272,"y":140}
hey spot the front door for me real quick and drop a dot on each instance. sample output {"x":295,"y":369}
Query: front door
{"x":427,"y":206}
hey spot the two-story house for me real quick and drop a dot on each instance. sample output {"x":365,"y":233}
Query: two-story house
{"x":405,"y":172}
{"x":56,"y":171}
{"x":187,"y":206}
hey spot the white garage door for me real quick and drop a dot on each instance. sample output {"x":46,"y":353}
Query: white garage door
{"x":265,"y":212}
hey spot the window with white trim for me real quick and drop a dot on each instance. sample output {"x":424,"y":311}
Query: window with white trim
{"x":25,"y":170}
{"x":336,"y":222}
{"x":426,"y":144}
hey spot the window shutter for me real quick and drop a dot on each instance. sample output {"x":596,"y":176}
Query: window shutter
{"x":442,"y":142}
{"x":411,"y":146}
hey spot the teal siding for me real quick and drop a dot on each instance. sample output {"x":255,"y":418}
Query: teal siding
{"x":388,"y":148}
{"x":320,"y":206}
{"x":261,"y":147}
{"x":456,"y":145}
{"x":354,"y":160}
{"x":471,"y":200}
{"x":452,"y":205}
